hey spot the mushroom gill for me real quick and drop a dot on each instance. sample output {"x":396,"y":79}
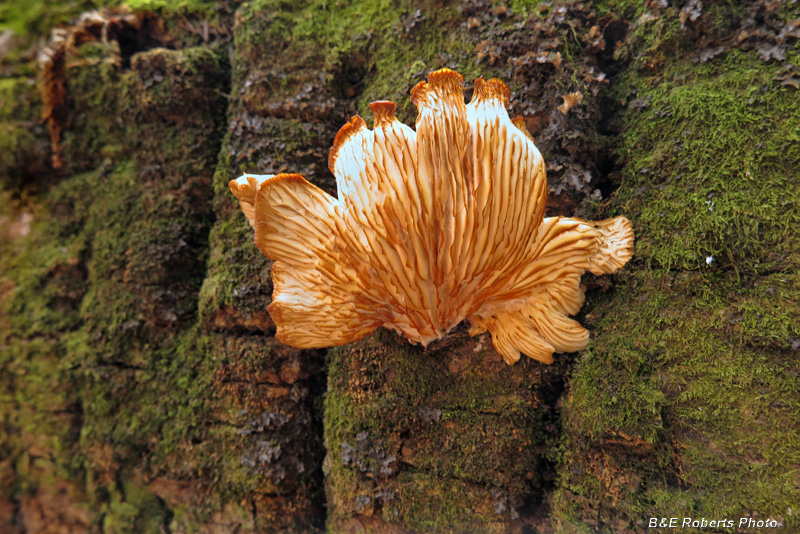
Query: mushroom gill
{"x":430,"y":227}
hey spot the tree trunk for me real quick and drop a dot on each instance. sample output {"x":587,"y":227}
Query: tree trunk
{"x":142,"y":389}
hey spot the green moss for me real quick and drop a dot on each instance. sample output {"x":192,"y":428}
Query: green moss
{"x":95,"y":128}
{"x":238,"y":276}
{"x":425,"y":436}
{"x":108,"y":303}
{"x":685,"y":403}
{"x":23,"y":142}
{"x":39,"y":406}
{"x":104,"y":354}
{"x":134,"y":510}
{"x":47,"y":272}
{"x":20,"y":152}
{"x":48,"y":276}
{"x":35,"y":18}
{"x":168,"y":81}
{"x":447,"y":506}
{"x":670,"y":373}
{"x":172,"y":7}
{"x":367,"y":50}
{"x":19,"y":100}
{"x":716,"y":141}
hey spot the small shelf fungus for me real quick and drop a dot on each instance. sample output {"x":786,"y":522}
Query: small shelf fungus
{"x":430,"y":227}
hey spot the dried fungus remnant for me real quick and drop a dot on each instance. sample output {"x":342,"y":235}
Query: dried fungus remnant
{"x":570,"y":100}
{"x":431,"y":227}
{"x":102,"y":25}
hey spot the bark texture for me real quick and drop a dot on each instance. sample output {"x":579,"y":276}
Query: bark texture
{"x":141,"y":387}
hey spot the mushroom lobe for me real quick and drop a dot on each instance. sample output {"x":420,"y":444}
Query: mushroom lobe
{"x":431,"y":226}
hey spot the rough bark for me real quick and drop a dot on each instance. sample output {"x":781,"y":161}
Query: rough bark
{"x":141,"y":387}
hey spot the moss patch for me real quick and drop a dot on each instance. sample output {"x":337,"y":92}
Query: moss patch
{"x":716,"y":142}
{"x":107,"y":374}
{"x":23,"y":143}
{"x":37,"y":17}
{"x":685,"y":403}
{"x":421,"y":439}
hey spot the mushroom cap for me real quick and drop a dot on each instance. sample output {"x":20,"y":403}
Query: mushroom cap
{"x":431,"y":226}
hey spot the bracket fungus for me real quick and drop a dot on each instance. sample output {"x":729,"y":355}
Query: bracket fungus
{"x":430,"y":227}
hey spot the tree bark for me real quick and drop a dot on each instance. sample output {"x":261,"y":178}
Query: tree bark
{"x":142,"y":388}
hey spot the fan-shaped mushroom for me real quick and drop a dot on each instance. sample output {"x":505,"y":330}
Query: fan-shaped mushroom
{"x":430,"y":227}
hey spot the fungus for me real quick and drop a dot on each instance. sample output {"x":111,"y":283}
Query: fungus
{"x":430,"y":227}
{"x":570,"y":100}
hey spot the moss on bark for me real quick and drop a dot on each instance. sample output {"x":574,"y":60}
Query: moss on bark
{"x":106,"y":372}
{"x":141,"y":388}
{"x":683,"y":404}
{"x":420,"y":440}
